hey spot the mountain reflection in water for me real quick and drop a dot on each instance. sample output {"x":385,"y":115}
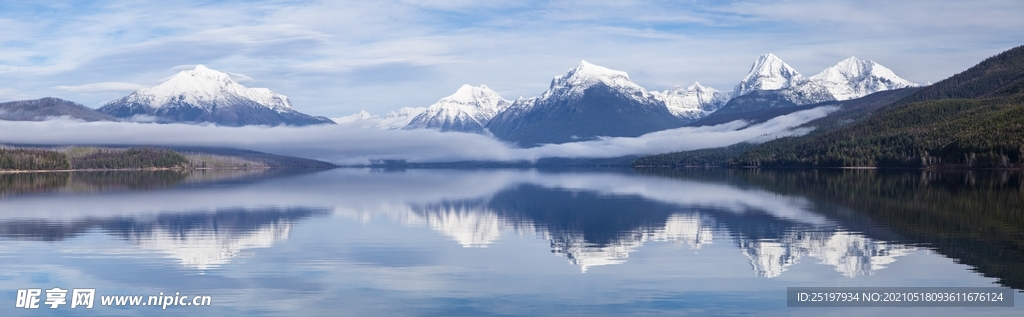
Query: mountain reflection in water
{"x":199,"y":240}
{"x":375,"y":237}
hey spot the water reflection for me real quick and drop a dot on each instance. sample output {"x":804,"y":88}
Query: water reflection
{"x":975,"y":217}
{"x":84,"y":182}
{"x":197,"y":240}
{"x":483,"y":236}
{"x":594,"y":228}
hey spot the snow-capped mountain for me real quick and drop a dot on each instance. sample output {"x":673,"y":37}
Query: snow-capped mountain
{"x":770,"y":73}
{"x":467,"y":110}
{"x":694,"y":102}
{"x":206,"y":95}
{"x":590,"y":101}
{"x":854,"y":78}
{"x":400,"y":118}
{"x":574,"y":83}
{"x":586,"y":102}
{"x":393,"y":120}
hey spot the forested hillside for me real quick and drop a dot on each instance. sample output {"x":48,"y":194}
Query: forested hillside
{"x":90,"y":158}
{"x":127,"y":158}
{"x":33,"y":159}
{"x":974,"y":119}
{"x":703,"y":157}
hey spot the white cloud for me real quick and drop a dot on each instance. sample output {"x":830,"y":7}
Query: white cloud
{"x":316,"y":52}
{"x":12,"y":94}
{"x":355,"y":144}
{"x":104,"y":86}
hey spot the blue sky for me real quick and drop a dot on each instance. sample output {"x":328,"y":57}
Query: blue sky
{"x":335,"y":58}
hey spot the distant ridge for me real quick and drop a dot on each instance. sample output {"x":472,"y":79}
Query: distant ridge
{"x":48,"y":108}
{"x":205,"y":95}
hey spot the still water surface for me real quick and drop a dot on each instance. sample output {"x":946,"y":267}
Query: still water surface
{"x":350,"y":242}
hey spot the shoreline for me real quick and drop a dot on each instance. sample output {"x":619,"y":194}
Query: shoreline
{"x":845,"y":167}
{"x":147,"y":169}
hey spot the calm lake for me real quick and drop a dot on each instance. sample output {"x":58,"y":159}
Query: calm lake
{"x":436,"y":242}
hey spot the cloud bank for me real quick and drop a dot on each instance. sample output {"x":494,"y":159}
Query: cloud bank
{"x":334,"y":58}
{"x":347,"y":144}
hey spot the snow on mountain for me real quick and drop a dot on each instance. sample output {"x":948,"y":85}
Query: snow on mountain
{"x":206,"y":95}
{"x":854,"y":78}
{"x":467,"y":110}
{"x":393,"y":120}
{"x":770,"y":73}
{"x":692,"y":102}
{"x":357,"y":118}
{"x":400,"y":118}
{"x":573,"y":83}
{"x":586,"y":102}
{"x":206,"y":88}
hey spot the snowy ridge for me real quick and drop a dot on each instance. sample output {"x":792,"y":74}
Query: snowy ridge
{"x":769,"y":72}
{"x":473,"y":107}
{"x":205,"y":88}
{"x":393,"y":120}
{"x":694,"y":102}
{"x":468,"y":110}
{"x":573,"y":83}
{"x":854,"y":78}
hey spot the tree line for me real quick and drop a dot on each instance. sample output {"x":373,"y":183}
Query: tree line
{"x":85,"y":158}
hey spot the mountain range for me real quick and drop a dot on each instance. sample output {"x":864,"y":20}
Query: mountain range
{"x":591,"y":101}
{"x":585,"y":103}
{"x":973,"y":119}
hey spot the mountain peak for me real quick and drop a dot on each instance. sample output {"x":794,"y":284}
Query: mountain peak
{"x":768,"y":72}
{"x":692,"y":102}
{"x":851,"y":67}
{"x":854,"y":78}
{"x":204,"y":73}
{"x":204,"y":87}
{"x":467,"y":110}
{"x":468,"y":93}
{"x":587,"y":69}
{"x":575,"y":81}
{"x":697,"y":87}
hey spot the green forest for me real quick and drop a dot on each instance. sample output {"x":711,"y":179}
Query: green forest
{"x":33,"y":159}
{"x":712,"y":157}
{"x":91,"y":158}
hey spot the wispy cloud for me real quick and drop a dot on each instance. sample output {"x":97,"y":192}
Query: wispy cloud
{"x":351,"y":144}
{"x":317,"y":52}
{"x":105,"y":86}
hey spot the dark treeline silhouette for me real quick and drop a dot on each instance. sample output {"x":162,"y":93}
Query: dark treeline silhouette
{"x":91,"y":158}
{"x":33,"y":159}
{"x":130,"y":158}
